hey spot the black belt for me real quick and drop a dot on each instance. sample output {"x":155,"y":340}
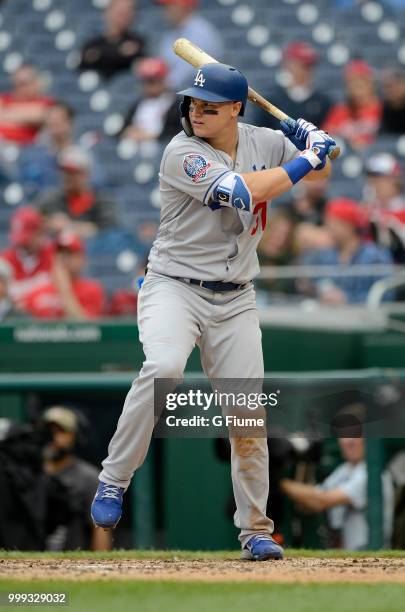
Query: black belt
{"x":211,"y":285}
{"x":214,"y":285}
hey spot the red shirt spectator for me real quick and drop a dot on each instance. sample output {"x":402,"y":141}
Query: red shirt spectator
{"x":358,"y":119}
{"x":68,"y":294}
{"x":46,"y":303}
{"x":23,"y":110}
{"x":123,"y":303}
{"x":30,"y":256}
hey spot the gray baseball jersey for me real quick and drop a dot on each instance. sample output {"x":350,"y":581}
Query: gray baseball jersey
{"x":194,"y":241}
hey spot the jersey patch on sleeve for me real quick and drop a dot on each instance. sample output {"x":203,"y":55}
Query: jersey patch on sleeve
{"x":196,"y":166}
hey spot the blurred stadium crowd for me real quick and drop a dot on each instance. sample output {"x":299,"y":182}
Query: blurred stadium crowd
{"x":88,"y":102}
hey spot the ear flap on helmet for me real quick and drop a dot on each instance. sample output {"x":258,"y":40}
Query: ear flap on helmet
{"x":184,"y":116}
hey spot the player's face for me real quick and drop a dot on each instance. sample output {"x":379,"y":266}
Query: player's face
{"x":208,"y":119}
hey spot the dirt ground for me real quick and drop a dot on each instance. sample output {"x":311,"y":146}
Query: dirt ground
{"x":297,"y":569}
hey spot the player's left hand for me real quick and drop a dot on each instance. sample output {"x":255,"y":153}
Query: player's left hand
{"x":298,"y":131}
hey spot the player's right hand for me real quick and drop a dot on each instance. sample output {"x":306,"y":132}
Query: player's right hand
{"x":319,"y":138}
{"x":318,"y":152}
{"x":320,"y":142}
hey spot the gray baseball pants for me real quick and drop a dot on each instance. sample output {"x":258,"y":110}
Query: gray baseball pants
{"x":172,"y":317}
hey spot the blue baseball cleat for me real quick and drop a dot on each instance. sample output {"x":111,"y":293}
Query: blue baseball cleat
{"x":262,"y":547}
{"x":106,"y":508}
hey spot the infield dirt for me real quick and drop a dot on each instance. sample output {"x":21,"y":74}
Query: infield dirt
{"x":371,"y":569}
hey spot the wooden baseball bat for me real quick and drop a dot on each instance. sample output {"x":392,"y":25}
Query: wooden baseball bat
{"x":197,"y":57}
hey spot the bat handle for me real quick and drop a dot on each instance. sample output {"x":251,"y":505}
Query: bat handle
{"x":333,"y":152}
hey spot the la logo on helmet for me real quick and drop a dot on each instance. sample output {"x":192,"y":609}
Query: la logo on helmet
{"x":199,"y":79}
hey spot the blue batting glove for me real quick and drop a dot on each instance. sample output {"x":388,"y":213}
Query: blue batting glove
{"x":320,"y":140}
{"x":297,"y":132}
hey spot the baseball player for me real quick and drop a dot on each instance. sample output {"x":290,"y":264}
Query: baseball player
{"x":216,"y":178}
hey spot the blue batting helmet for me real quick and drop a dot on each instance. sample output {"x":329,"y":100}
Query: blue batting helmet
{"x":215,"y":83}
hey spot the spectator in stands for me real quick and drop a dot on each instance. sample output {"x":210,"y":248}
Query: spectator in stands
{"x":146,"y":231}
{"x":346,"y":223}
{"x":76,"y":205}
{"x":123,"y":303}
{"x":393,"y":114}
{"x":118,"y":47}
{"x":384,"y":188}
{"x":344,"y":496}
{"x":309,"y":201}
{"x":155,"y":114}
{"x":30,"y":253}
{"x":7,"y":308}
{"x":358,"y":119}
{"x":308,"y":207}
{"x":68,"y":429}
{"x":310,"y":237}
{"x":276,"y":249}
{"x":385,"y":203}
{"x":23,"y":110}
{"x":185,"y":22}
{"x":68,"y":294}
{"x":299,"y":98}
{"x":38,"y":164}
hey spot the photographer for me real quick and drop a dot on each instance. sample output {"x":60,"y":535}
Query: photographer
{"x":32,"y":502}
{"x":68,"y":431}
